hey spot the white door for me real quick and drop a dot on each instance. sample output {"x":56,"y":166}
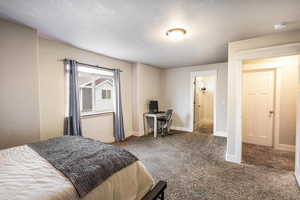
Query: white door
{"x":258,"y":107}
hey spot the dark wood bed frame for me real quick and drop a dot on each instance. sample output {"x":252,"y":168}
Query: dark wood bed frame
{"x":158,"y":192}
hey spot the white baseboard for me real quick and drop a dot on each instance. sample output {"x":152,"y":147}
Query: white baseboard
{"x":285,"y":147}
{"x":136,"y":133}
{"x":181,"y":128}
{"x":297,"y":175}
{"x":220,"y":134}
{"x":141,"y":133}
{"x":233,"y":158}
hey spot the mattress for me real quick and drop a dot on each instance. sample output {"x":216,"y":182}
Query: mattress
{"x":26,"y":175}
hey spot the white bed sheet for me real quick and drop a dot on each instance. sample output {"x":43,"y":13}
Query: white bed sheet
{"x":24,"y":175}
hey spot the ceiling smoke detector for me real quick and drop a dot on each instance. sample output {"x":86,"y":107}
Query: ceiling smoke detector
{"x":280,"y":26}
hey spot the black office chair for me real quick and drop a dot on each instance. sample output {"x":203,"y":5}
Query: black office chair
{"x":165,"y":122}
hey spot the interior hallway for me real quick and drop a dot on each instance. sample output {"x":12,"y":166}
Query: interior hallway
{"x":205,"y":87}
{"x":204,"y":129}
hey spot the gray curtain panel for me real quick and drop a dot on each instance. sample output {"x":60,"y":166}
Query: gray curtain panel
{"x":118,"y":124}
{"x":73,"y":122}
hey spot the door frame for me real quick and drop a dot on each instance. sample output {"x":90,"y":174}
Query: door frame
{"x":193,"y":77}
{"x":278,"y":74}
{"x":234,"y":88}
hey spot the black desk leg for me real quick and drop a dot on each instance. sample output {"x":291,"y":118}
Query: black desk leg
{"x":162,"y":196}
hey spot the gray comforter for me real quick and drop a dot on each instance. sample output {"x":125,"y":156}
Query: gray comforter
{"x":85,"y":162}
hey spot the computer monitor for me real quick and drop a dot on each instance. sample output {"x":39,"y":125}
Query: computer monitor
{"x":153,"y":106}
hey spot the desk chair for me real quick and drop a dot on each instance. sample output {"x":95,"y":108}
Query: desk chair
{"x":165,"y":122}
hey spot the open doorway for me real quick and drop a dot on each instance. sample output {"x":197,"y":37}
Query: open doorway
{"x":204,"y":103}
{"x":269,"y":109}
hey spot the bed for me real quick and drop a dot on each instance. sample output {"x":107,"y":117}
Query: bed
{"x":45,"y":171}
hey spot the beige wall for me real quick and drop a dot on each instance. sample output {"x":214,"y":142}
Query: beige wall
{"x":135,"y":99}
{"x":99,"y":128}
{"x":147,"y":86}
{"x":288,"y":102}
{"x":52,"y":90}
{"x":19,"y":102}
{"x":176,"y":90}
{"x":233,"y":79}
{"x":288,"y":93}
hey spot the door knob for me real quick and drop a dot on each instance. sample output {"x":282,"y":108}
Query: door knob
{"x":271,"y":112}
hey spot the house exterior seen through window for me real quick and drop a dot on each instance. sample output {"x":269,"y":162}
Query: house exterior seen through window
{"x":106,"y":94}
{"x":96,"y":87}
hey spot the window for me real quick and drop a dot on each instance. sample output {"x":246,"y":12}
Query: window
{"x":87,"y":99}
{"x":106,"y":94}
{"x":96,"y":87}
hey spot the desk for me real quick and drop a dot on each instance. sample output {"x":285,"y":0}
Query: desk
{"x":154,"y":116}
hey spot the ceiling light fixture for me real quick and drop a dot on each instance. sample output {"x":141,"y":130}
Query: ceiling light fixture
{"x":176,"y":33}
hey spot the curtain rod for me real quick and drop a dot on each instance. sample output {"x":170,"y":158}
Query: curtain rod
{"x":96,"y":66}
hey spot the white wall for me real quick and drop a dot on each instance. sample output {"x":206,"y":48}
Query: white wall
{"x":234,"y":78}
{"x":288,"y":93}
{"x":147,"y":86}
{"x":19,"y":102}
{"x":52,"y":90}
{"x":176,"y":93}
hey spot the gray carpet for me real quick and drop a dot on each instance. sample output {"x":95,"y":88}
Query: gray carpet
{"x":268,"y":156}
{"x":194,"y":167}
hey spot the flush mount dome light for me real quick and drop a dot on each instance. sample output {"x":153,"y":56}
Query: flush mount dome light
{"x":176,"y":33}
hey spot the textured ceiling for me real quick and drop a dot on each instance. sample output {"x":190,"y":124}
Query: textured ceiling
{"x":134,"y":30}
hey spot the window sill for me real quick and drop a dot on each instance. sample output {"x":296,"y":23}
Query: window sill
{"x":95,"y":114}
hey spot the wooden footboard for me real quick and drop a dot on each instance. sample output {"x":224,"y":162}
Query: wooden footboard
{"x":158,"y":192}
